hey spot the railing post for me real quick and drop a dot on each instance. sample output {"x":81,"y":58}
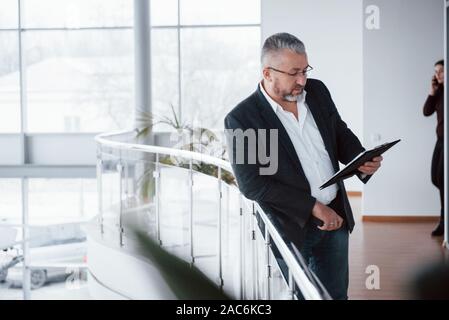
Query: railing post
{"x":126,"y":178}
{"x":242,"y":249}
{"x":192,"y":253}
{"x":255,"y":273}
{"x":100,"y":192}
{"x":220,"y":208}
{"x":120,"y":222}
{"x":268,"y":264}
{"x":227,"y":215}
{"x":291,"y":284}
{"x":156,"y":176}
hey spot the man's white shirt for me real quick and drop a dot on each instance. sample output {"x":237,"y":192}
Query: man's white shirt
{"x":309,"y":146}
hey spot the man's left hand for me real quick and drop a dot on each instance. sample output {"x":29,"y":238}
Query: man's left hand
{"x":370,"y":167}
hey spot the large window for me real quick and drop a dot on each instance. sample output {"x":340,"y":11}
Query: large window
{"x":9,"y":81}
{"x":219,"y":12}
{"x":77,"y":13}
{"x":67,"y":72}
{"x":209,"y":62}
{"x":76,"y":62}
{"x":79,"y":80}
{"x":75,"y":59}
{"x":214,"y":84}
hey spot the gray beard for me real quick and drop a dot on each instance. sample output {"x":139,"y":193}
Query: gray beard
{"x":290,"y":98}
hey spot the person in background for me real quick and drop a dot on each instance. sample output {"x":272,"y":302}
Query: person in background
{"x":435,"y":103}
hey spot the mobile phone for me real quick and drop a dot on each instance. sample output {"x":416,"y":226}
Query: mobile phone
{"x":434,"y":81}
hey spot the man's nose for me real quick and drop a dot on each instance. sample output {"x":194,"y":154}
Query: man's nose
{"x":301,"y":80}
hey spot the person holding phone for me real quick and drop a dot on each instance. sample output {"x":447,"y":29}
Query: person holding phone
{"x":435,"y":103}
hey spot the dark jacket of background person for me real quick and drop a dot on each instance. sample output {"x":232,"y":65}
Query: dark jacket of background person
{"x":436,"y":104}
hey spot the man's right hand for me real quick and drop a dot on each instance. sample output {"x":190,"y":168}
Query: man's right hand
{"x":331,"y":220}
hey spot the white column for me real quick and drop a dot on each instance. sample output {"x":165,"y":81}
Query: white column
{"x":142,"y":55}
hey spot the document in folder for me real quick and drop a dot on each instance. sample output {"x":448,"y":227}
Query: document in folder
{"x":352,"y":167}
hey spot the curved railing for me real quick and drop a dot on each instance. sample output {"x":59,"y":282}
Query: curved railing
{"x":202,"y":218}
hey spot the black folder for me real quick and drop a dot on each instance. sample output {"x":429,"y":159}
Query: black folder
{"x":352,"y":167}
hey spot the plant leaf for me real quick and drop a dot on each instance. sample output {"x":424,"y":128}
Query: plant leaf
{"x":186,"y":282}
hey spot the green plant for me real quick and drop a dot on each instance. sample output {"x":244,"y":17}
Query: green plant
{"x":196,"y":139}
{"x":145,"y":121}
{"x":185,"y":280}
{"x":205,"y":168}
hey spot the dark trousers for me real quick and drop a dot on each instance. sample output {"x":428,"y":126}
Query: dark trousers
{"x":326,"y":254}
{"x":438,"y":171}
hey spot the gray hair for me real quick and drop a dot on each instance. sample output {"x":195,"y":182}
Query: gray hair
{"x":279,"y":41}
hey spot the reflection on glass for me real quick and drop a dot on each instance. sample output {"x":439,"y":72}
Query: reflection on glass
{"x":279,"y":286}
{"x":56,"y":260}
{"x":174,"y":214}
{"x":227,"y":72}
{"x":79,"y":80}
{"x":10,"y":234}
{"x":205,"y":219}
{"x":231,"y":238}
{"x":57,"y":257}
{"x":10,"y":259}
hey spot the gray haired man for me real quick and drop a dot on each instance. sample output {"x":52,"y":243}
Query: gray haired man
{"x":313,"y":139}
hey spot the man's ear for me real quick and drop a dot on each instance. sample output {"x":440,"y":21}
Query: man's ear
{"x":266,"y":74}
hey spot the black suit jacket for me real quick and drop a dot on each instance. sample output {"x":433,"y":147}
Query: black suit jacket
{"x":286,"y":195}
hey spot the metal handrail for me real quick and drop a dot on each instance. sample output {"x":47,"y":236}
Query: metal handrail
{"x":308,"y":290}
{"x":296,"y":272}
{"x":102,"y":139}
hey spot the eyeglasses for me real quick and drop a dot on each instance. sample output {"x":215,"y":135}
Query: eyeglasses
{"x":303,"y":73}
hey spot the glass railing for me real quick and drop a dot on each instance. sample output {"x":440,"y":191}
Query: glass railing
{"x":190,"y":205}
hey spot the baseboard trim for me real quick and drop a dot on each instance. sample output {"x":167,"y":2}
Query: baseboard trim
{"x":393,"y":218}
{"x":400,"y":218}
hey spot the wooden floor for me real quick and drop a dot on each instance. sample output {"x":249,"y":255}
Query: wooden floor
{"x":399,"y":249}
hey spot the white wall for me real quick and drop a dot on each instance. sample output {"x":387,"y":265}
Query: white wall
{"x":379,"y":81}
{"x":398,"y":65}
{"x":332,"y":33}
